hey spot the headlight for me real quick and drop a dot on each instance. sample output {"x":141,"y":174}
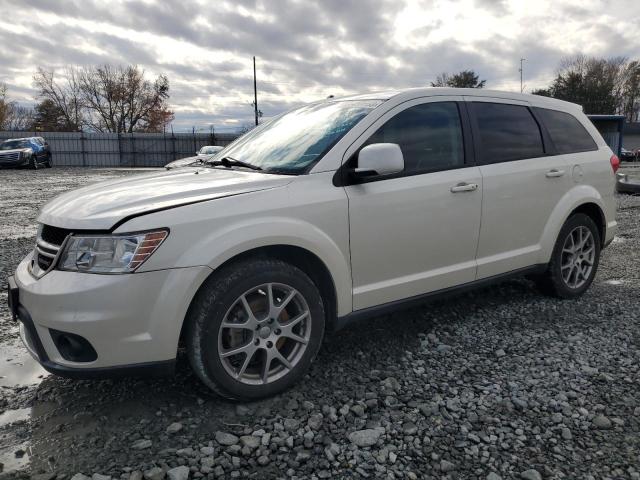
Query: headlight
{"x":109,"y":253}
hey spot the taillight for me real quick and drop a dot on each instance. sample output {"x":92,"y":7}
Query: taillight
{"x":615,"y":163}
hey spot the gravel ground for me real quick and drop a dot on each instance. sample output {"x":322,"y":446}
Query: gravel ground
{"x":499,"y":383}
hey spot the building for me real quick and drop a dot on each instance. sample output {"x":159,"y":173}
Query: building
{"x":612,"y":128}
{"x":631,"y":136}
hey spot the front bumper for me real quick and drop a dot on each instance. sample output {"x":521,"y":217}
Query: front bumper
{"x":22,"y":162}
{"x":132,"y":321}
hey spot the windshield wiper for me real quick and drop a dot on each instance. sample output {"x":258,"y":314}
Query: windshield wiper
{"x":232,"y":162}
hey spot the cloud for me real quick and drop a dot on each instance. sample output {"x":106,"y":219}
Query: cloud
{"x":305,"y":50}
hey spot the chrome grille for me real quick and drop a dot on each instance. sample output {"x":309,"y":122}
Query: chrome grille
{"x":10,"y":156}
{"x":48,"y":244}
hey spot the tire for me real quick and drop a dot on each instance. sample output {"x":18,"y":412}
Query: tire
{"x":219,"y":299}
{"x":48,"y":163}
{"x":554,"y":281}
{"x":33,"y":163}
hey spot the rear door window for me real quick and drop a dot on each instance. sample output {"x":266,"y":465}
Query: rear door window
{"x":567,"y":133}
{"x":506,"y":132}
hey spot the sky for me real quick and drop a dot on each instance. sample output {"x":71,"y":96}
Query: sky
{"x":306,"y":50}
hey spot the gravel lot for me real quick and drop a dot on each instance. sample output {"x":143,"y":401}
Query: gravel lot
{"x":500,"y":383}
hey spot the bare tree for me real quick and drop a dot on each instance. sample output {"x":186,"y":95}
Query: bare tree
{"x":108,"y":98}
{"x":601,"y":86}
{"x":14,"y":117}
{"x":120,"y":99}
{"x":631,"y":91}
{"x":20,"y":119}
{"x":65,"y":95}
{"x":5,"y":106}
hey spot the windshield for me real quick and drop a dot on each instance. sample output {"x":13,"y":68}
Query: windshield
{"x":209,"y":150}
{"x":294,"y":141}
{"x":11,"y":144}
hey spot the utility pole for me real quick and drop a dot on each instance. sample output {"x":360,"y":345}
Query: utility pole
{"x":255,"y":91}
{"x":520,"y":70}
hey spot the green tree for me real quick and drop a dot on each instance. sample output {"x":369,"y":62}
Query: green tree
{"x":49,"y":117}
{"x":463,"y":79}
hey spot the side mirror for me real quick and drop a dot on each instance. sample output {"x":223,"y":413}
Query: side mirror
{"x":380,"y":159}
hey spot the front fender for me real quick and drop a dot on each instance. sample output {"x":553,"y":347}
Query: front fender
{"x":577,"y":196}
{"x":309,"y":213}
{"x":236,"y":239}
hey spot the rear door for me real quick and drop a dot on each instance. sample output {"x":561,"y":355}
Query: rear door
{"x":522,"y":183}
{"x":417,"y":231}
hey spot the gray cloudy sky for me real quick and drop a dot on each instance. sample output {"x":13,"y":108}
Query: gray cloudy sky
{"x":306,"y":49}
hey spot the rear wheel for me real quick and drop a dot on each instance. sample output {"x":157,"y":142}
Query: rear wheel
{"x":574,"y":260}
{"x":254,"y":328}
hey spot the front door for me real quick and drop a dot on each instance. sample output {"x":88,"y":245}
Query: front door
{"x":416,"y":232}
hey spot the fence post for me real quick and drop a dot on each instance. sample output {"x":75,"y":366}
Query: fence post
{"x":84,"y":156}
{"x":173,"y":144}
{"x":133,"y":150}
{"x":164,"y":142}
{"x":119,"y":150}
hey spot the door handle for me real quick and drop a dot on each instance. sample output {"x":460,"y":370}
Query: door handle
{"x":464,"y":187}
{"x":554,"y":172}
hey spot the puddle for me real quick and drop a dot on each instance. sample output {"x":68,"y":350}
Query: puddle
{"x":613,"y":282}
{"x":11,"y":462}
{"x":17,"y":367}
{"x":12,"y":416}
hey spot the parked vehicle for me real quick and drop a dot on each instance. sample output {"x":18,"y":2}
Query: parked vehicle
{"x":203,"y":154}
{"x":627,"y":155}
{"x":25,"y":152}
{"x":627,"y":184}
{"x":335,"y":211}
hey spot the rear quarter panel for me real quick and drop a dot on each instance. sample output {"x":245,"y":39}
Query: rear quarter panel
{"x":592,"y":181}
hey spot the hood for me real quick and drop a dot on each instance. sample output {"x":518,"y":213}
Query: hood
{"x":16,"y":150}
{"x":185,"y":162}
{"x":102,"y":205}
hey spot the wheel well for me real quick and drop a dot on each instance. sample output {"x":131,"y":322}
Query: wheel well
{"x":306,"y":261}
{"x":595,"y":213}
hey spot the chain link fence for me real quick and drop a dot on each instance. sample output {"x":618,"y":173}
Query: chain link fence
{"x":82,"y":149}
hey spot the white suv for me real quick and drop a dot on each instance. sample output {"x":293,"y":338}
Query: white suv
{"x":335,"y":211}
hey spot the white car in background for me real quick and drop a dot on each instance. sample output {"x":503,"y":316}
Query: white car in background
{"x":335,"y":211}
{"x":202,"y":155}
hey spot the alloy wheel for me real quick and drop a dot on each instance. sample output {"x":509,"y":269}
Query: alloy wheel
{"x":578,"y":257}
{"x":264,"y":334}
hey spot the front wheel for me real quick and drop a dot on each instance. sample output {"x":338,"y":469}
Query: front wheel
{"x":254,"y":328}
{"x":574,"y":260}
{"x":48,"y":163}
{"x":33,"y":162}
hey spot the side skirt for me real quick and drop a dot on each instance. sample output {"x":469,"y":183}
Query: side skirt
{"x":406,"y":303}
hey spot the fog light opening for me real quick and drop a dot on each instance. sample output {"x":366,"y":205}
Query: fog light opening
{"x":72,"y":347}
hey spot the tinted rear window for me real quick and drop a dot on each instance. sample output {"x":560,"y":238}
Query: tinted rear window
{"x":507,"y":132}
{"x":566,"y":132}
